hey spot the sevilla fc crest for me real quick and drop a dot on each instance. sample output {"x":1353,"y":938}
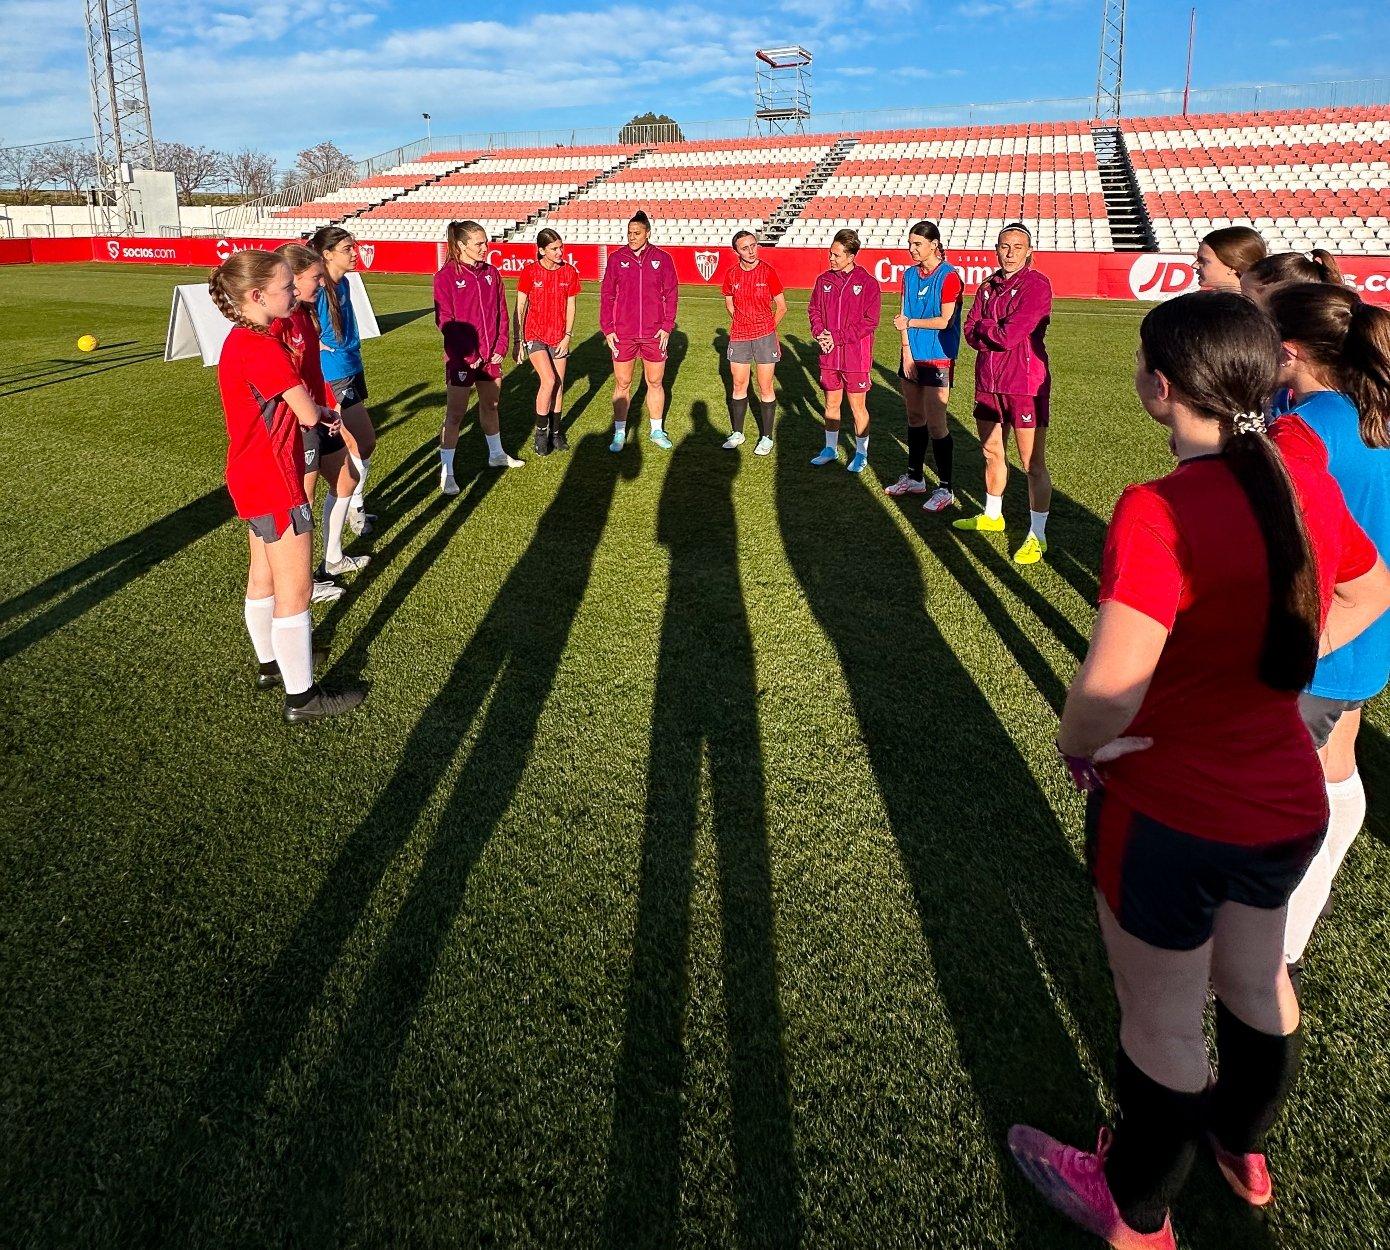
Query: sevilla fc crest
{"x":706,"y":263}
{"x":365,"y":253}
{"x":856,"y":289}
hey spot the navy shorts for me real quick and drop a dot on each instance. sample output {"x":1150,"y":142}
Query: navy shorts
{"x":1164,"y":886}
{"x":929,"y":374}
{"x":270,"y":527}
{"x":349,"y":391}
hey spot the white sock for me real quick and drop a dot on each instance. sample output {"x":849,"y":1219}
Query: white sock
{"x":655,"y":423}
{"x":861,"y":445}
{"x":361,"y":466}
{"x":619,"y":430}
{"x":494,"y":444}
{"x":259,"y":613}
{"x":994,"y":506}
{"x":1037,"y":525}
{"x":446,"y":458}
{"x":293,"y":639}
{"x":1347,"y":801}
{"x":832,"y":439}
{"x":335,"y":514}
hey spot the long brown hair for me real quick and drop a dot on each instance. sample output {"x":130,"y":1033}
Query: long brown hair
{"x":1284,"y":268}
{"x":1349,"y":340}
{"x":457,"y":235}
{"x":1221,"y":354}
{"x":1237,"y":247}
{"x":236,"y":277}
{"x":301,"y":257}
{"x":325,"y":239}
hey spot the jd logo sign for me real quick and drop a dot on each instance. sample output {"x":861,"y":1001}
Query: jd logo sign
{"x":1155,"y":276}
{"x":706,"y":263}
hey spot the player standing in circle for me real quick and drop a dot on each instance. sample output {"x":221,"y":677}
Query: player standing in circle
{"x":930,"y":328}
{"x":756,"y":305}
{"x":340,"y":352}
{"x":637,"y":312}
{"x":325,"y":452}
{"x":1206,"y":801}
{"x":470,"y":309}
{"x":844,"y":312}
{"x":545,"y":296}
{"x":1336,"y":366}
{"x":1264,"y":277}
{"x":1007,"y":327}
{"x":1223,"y":255}
{"x":265,"y":403}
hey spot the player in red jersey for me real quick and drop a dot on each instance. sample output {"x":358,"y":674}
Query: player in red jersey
{"x":753,"y":295}
{"x":1221,"y":583}
{"x":545,"y":297}
{"x":265,"y":403}
{"x":325,"y":451}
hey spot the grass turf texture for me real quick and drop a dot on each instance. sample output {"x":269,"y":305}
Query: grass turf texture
{"x":699,"y":871}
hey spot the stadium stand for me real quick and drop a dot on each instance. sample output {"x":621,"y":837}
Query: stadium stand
{"x":1303,"y":179}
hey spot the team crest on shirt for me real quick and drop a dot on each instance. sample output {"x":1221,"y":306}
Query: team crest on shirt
{"x":706,"y":263}
{"x":487,"y":277}
{"x":856,"y":289}
{"x":366,"y":253}
{"x":656,"y":264}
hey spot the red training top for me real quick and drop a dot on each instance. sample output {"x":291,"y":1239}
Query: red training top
{"x":753,"y":291}
{"x":301,"y":336}
{"x":547,"y":292}
{"x":1231,"y":759}
{"x":265,"y":453}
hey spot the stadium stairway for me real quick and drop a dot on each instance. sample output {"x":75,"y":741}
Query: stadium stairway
{"x":1130,"y":227}
{"x":792,"y":207}
{"x":603,"y":176}
{"x":426,"y":182}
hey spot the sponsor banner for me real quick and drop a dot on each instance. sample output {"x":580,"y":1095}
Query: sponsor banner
{"x":1077,"y":275}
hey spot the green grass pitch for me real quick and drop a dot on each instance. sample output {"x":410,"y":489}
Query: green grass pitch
{"x":698,"y":873}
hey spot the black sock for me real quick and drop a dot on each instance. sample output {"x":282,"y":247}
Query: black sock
{"x":299,"y":700}
{"x":1155,"y":1140}
{"x":557,"y":422}
{"x":943,"y":451}
{"x":269,"y":667}
{"x":738,"y":409}
{"x":542,"y":421}
{"x":767,"y":416}
{"x":917,"y":438}
{"x":1255,"y":1073}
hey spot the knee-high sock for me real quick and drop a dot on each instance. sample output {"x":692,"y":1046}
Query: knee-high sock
{"x":293,"y":640}
{"x":738,"y":409}
{"x":917,"y":439}
{"x":767,"y":416}
{"x":1347,"y":803}
{"x":335,"y":510}
{"x":943,"y":451}
{"x":259,"y":614}
{"x":1254,"y":1074}
{"x":1155,"y":1141}
{"x":362,"y":466}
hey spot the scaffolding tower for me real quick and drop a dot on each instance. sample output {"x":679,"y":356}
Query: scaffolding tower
{"x":782,"y":92}
{"x":120,"y":106}
{"x":1110,"y":74}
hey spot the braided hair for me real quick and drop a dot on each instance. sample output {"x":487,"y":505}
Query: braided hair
{"x":236,"y":277}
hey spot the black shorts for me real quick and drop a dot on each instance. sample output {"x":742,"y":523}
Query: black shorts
{"x":318,"y":443}
{"x":930,"y":375}
{"x":1321,"y":715}
{"x":349,"y":391}
{"x":1164,"y":886}
{"x":270,"y":527}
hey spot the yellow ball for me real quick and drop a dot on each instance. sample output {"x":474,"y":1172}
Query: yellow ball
{"x":87,"y":343}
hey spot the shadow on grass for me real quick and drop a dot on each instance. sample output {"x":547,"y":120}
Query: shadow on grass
{"x":1003,"y":901}
{"x":82,"y":586}
{"x":704,"y":631}
{"x":395,"y":320}
{"x":300,"y":1167}
{"x":1373,"y":759}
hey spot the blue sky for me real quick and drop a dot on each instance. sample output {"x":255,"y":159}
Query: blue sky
{"x":279,"y":75}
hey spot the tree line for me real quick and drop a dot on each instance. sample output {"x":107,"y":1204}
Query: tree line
{"x":72,"y":168}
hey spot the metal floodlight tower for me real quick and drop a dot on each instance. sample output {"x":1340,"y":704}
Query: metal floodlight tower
{"x":120,"y":102}
{"x":1111,"y":72}
{"x":783,"y":90}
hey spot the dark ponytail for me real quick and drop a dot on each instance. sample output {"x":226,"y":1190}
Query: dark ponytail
{"x":1349,"y":342}
{"x":322,"y":240}
{"x":1284,"y":268}
{"x":1221,"y":354}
